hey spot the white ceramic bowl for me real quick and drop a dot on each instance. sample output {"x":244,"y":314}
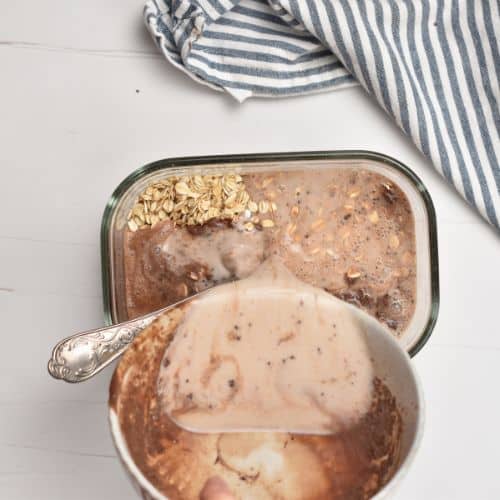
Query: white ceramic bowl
{"x":392,"y":365}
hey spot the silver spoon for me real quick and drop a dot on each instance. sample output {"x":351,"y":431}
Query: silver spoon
{"x":81,"y":356}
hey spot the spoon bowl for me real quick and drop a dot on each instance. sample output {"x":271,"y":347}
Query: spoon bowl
{"x":391,"y":364}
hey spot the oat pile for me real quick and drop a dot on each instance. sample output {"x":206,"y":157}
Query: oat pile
{"x":191,"y":200}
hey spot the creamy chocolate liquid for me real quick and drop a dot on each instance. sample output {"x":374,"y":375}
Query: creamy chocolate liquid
{"x":348,"y":231}
{"x":267,"y":353}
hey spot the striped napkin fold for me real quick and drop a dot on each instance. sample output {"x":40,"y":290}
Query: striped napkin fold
{"x":433,"y":65}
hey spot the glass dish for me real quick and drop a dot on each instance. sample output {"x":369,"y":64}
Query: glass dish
{"x":427,"y":279}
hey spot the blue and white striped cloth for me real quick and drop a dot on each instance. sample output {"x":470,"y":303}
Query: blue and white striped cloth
{"x":433,"y":65}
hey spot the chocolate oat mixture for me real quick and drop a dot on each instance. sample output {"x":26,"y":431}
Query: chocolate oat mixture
{"x":352,"y":464}
{"x":348,"y":231}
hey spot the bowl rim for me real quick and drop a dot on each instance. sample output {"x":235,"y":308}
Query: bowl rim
{"x":276,"y":157}
{"x":136,"y":475}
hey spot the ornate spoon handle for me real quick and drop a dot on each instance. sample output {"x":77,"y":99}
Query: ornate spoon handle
{"x":81,"y":356}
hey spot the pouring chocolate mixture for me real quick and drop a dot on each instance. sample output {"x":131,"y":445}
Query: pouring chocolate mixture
{"x":256,"y":382}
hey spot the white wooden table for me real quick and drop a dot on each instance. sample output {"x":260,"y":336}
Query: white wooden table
{"x":84,"y":100}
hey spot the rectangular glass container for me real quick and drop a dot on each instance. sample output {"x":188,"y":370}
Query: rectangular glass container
{"x":122,"y":200}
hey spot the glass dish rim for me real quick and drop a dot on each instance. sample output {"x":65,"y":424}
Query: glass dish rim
{"x":189,"y":161}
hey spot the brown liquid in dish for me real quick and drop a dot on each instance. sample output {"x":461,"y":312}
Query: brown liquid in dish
{"x":354,"y":463}
{"x":348,"y":231}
